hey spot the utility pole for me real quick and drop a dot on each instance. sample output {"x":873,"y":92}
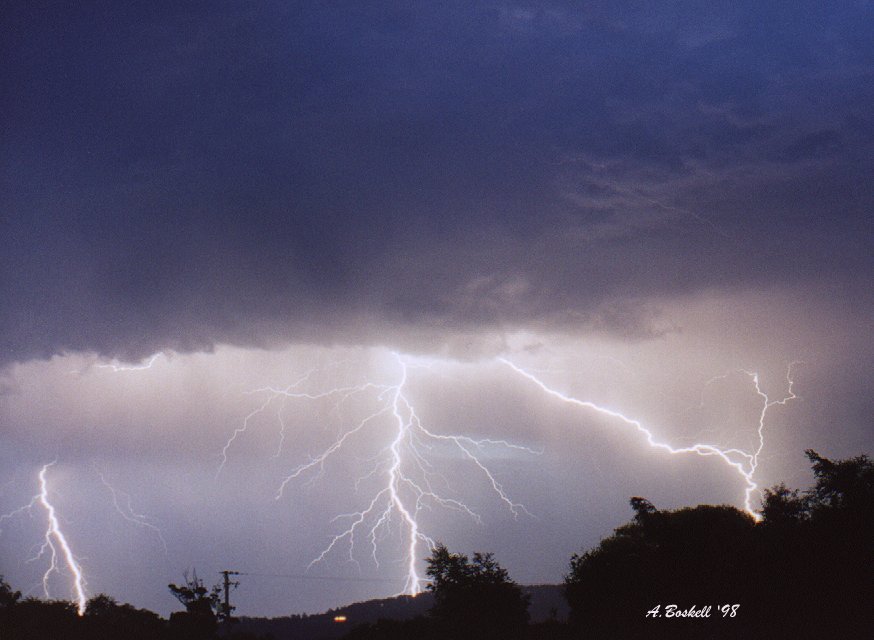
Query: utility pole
{"x":226,"y":608}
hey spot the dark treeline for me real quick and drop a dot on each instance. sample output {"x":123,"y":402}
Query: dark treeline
{"x":806,"y":570}
{"x":106,"y":619}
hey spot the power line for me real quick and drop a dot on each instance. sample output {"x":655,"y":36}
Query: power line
{"x":304,"y":576}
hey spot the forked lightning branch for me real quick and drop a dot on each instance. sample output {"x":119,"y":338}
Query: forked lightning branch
{"x":406,"y":473}
{"x":55,"y":545}
{"x":410,"y":476}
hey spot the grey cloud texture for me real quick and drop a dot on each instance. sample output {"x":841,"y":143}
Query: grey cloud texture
{"x":178,"y":178}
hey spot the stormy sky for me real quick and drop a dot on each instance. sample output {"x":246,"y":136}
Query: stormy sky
{"x":640,"y":204}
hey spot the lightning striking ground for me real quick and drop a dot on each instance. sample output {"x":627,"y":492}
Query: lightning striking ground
{"x":55,"y":538}
{"x":55,"y":543}
{"x":409,"y":480}
{"x":744,"y":463}
{"x":402,"y":480}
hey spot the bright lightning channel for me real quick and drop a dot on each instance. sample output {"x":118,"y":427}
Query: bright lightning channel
{"x":742,"y":462}
{"x":409,"y":478}
{"x":117,"y":367}
{"x":55,"y":543}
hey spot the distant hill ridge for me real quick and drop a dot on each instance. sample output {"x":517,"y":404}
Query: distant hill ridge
{"x":547,"y":601}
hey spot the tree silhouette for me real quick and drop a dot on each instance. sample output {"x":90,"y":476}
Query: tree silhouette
{"x":782,"y":507}
{"x":195,"y":597}
{"x":843,"y":485}
{"x":106,"y":619}
{"x":804,"y":571}
{"x":684,"y":556}
{"x":475,"y":598}
{"x":199,"y":619}
{"x":821,"y":543}
{"x":8,"y":597}
{"x":8,"y":600}
{"x":33,"y":619}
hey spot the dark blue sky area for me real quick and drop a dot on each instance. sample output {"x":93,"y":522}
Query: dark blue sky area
{"x":174,"y":175}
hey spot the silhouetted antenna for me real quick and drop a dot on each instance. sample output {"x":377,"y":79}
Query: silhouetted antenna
{"x":225,"y":610}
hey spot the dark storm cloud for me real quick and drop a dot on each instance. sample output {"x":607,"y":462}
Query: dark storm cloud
{"x":176,"y":176}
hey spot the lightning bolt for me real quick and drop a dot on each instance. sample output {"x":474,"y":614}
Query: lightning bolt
{"x":409,"y":479}
{"x":767,"y":403}
{"x":18,"y":511}
{"x":54,"y":543}
{"x":126,"y":511}
{"x":117,"y":367}
{"x":273,"y":394}
{"x":742,"y":462}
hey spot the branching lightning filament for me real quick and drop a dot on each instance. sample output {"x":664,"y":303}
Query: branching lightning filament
{"x":744,"y":463}
{"x":405,"y":471}
{"x":55,"y":543}
{"x":410,"y":481}
{"x":126,"y":511}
